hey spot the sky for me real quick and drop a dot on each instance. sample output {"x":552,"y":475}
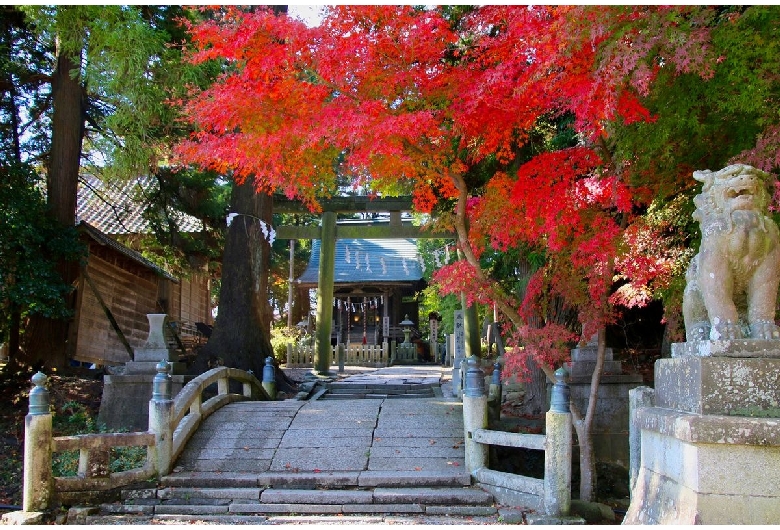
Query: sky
{"x":309,"y":14}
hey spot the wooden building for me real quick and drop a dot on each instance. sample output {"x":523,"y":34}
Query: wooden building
{"x":116,"y":289}
{"x":373,"y":278}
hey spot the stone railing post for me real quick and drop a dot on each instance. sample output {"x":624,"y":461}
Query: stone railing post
{"x":289,"y":354}
{"x":160,"y":417}
{"x":494,"y":393}
{"x":638,"y":398}
{"x":269,"y":377}
{"x":37,"y":481}
{"x":341,"y":356}
{"x":557,"y":449}
{"x":475,"y":416}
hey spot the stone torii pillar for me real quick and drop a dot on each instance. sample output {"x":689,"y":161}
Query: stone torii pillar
{"x":323,"y":352}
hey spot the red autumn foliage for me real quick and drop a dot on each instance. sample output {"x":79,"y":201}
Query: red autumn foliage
{"x":399,"y":98}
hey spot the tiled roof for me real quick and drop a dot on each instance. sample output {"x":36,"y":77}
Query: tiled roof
{"x":103,"y":239}
{"x":369,"y":260}
{"x":118,"y":208}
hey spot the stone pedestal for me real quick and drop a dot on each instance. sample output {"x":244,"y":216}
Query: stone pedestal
{"x":610,"y":434}
{"x":125,"y":402}
{"x":126,"y":395}
{"x":710,"y":445}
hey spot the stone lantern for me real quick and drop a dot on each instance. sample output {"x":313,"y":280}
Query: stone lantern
{"x":407,"y":325}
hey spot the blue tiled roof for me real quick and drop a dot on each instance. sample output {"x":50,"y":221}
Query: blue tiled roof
{"x":368,"y":260}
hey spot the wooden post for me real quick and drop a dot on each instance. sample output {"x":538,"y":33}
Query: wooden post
{"x":471,"y":328}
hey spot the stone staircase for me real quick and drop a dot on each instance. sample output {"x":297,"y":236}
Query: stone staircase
{"x":253,"y":498}
{"x":380,"y":391}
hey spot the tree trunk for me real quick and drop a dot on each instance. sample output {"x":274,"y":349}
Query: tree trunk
{"x":46,"y":339}
{"x":584,"y":427}
{"x":241,"y":335}
{"x":535,"y":390}
{"x":13,"y":333}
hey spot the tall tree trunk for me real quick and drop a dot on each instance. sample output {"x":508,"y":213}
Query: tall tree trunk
{"x":241,"y":335}
{"x":46,"y":339}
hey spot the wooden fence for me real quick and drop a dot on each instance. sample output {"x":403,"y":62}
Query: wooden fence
{"x":374,"y":355}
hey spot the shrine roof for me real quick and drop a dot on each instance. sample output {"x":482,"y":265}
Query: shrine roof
{"x":116,"y":208}
{"x":368,"y":261}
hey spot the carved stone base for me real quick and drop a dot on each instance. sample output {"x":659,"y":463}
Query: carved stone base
{"x":706,"y":470}
{"x":154,"y":355}
{"x":710,"y":444}
{"x":719,"y":385}
{"x":743,"y":348}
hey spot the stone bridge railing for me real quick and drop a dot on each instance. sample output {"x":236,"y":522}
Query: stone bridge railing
{"x":550,"y":495}
{"x":171,"y":423}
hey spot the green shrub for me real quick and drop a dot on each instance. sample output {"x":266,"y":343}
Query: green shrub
{"x":73,"y":419}
{"x":280,"y":337}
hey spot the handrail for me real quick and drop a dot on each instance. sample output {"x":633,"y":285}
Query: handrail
{"x":510,"y":439}
{"x":171,"y":423}
{"x":94,"y":458}
{"x":189,"y":410}
{"x":553,"y":491}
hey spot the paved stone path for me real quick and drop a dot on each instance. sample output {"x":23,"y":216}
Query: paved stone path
{"x":377,"y":436}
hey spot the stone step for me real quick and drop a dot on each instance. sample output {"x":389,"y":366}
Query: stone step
{"x":200,"y":501}
{"x":445,"y":516}
{"x":378,"y":391}
{"x":310,"y":480}
{"x":376,"y":396}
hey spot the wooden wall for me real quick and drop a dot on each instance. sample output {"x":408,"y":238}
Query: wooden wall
{"x":129,"y":295}
{"x":195,"y":299}
{"x":130,"y":290}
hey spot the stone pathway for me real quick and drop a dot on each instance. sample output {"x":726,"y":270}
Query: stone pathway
{"x":376,"y":435}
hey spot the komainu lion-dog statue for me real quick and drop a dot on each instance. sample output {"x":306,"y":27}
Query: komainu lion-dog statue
{"x":732,"y":282}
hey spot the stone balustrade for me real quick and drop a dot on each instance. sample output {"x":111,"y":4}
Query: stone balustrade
{"x":171,"y":423}
{"x":551,"y":495}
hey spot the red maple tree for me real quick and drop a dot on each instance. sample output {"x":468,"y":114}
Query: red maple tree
{"x":399,"y":98}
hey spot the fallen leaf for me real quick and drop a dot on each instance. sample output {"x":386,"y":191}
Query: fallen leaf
{"x":317,"y":470}
{"x":418,"y":469}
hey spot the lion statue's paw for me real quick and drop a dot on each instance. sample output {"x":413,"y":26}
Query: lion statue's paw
{"x":725,"y":330}
{"x":765,"y":330}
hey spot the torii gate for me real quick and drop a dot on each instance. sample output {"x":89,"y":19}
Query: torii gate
{"x":328,"y":232}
